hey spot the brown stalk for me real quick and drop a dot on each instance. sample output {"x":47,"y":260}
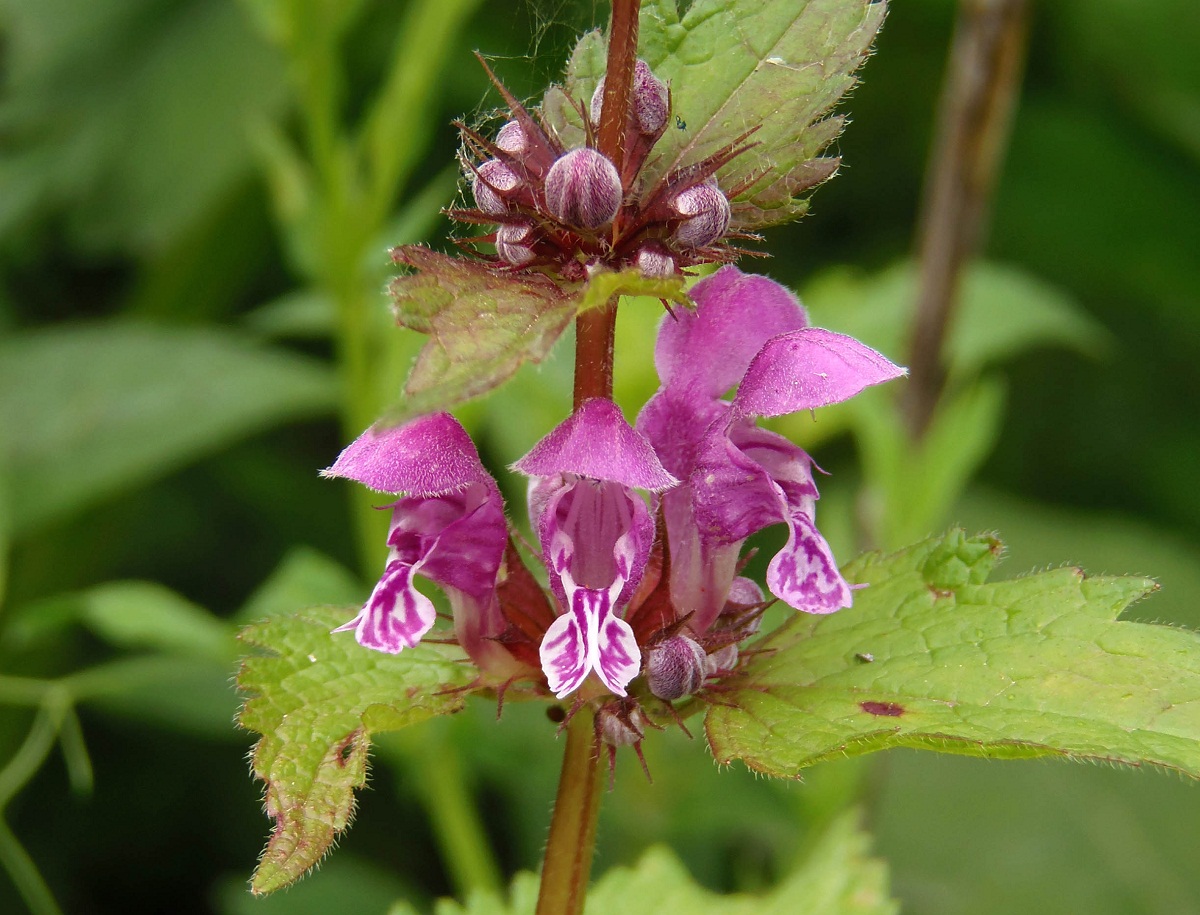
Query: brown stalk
{"x":979,"y":95}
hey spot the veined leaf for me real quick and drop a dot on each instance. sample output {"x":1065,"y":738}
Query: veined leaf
{"x":783,"y":64}
{"x":484,"y":323}
{"x":838,"y":878}
{"x":932,"y":657}
{"x":316,"y":699}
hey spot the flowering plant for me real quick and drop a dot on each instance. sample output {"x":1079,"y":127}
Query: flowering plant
{"x":637,"y":607}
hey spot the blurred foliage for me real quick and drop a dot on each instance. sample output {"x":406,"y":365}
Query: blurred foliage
{"x":195,"y":201}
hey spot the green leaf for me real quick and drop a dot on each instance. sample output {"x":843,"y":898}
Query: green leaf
{"x":484,"y":323}
{"x":132,"y":615}
{"x":838,"y":878}
{"x":316,"y":699}
{"x":191,"y":75}
{"x":90,"y":410}
{"x":932,"y":657}
{"x":783,"y":65}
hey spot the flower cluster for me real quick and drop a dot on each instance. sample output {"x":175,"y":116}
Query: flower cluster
{"x":567,"y":209}
{"x":641,"y":527}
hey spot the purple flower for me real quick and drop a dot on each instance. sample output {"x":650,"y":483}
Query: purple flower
{"x":448,"y":526}
{"x":750,"y":332}
{"x":596,"y":535}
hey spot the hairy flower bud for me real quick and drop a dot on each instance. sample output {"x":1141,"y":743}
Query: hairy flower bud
{"x":583,"y":189}
{"x":655,"y":261}
{"x":513,"y":243}
{"x":706,"y":215}
{"x":648,"y":103}
{"x":621,"y":723}
{"x":493,"y":180}
{"x":512,"y":139}
{"x":675,"y":667}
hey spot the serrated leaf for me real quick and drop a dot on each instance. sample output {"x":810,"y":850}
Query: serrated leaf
{"x":484,"y":323}
{"x":783,"y":65}
{"x":90,"y":410}
{"x":316,"y":699}
{"x":838,"y":878}
{"x":932,"y":657}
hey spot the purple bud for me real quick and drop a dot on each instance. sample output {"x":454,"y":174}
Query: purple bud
{"x":513,"y":243}
{"x":583,"y":189}
{"x":648,"y":103}
{"x":493,"y":179}
{"x":512,"y":139}
{"x":649,"y":99}
{"x":655,"y":261}
{"x":675,"y":667}
{"x":706,"y":215}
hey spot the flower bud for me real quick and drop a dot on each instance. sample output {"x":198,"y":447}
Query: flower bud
{"x":655,"y":261}
{"x":493,"y":180}
{"x":512,"y":139}
{"x":675,"y":667}
{"x":621,"y":723}
{"x":721,"y":661}
{"x":583,"y":189}
{"x":706,"y":215}
{"x":648,"y":104}
{"x":513,"y":243}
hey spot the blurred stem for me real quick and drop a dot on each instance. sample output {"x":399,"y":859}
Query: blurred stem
{"x":572,"y":842}
{"x":983,"y":78}
{"x":13,"y":777}
{"x":456,"y":822}
{"x":24,"y":874}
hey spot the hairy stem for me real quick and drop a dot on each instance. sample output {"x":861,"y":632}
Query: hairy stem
{"x":594,"y":331}
{"x":974,"y":119}
{"x":568,"y":863}
{"x":618,"y":80}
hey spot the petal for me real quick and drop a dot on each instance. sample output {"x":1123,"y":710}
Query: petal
{"x":564,"y":653}
{"x":804,"y":574}
{"x":595,"y":535}
{"x":754,"y":478}
{"x":809,"y":368}
{"x":429,"y":456}
{"x":675,"y":422}
{"x":464,"y":541}
{"x":736,"y":483}
{"x":595,"y":441}
{"x":396,"y":614}
{"x":617,"y":657}
{"x":702,"y":568}
{"x":708,"y":350}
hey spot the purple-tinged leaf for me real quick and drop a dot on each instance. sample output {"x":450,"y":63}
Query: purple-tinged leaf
{"x":483,"y":323}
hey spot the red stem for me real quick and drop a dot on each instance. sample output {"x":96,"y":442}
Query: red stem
{"x":568,"y":864}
